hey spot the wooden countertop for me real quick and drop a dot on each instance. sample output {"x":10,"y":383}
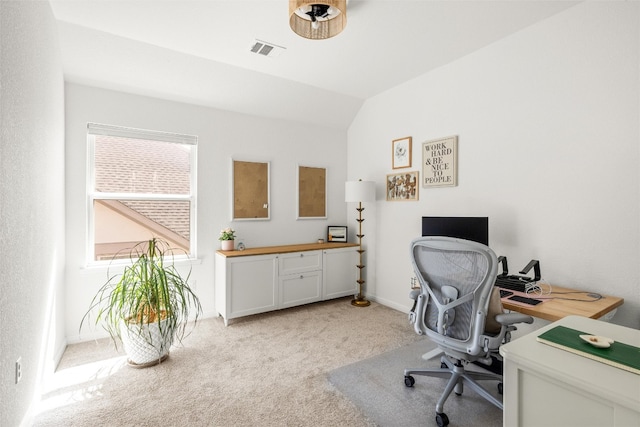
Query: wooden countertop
{"x":562,"y":302}
{"x":267,"y":250}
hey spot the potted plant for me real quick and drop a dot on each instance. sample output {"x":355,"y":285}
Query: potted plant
{"x":148,"y":305}
{"x":227,"y":239}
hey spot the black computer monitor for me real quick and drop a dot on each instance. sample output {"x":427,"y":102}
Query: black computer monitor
{"x":461,"y":227}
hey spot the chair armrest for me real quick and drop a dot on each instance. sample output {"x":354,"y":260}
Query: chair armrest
{"x":512,"y":318}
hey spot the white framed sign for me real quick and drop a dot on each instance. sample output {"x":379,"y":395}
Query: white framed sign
{"x":440,"y":162}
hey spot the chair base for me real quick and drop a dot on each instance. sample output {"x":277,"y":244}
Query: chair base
{"x":458,"y":376}
{"x":496,"y":365}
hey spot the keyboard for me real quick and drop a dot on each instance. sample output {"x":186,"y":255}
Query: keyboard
{"x":512,"y":283}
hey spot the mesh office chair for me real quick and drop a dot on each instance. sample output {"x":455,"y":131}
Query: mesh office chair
{"x":456,"y":284}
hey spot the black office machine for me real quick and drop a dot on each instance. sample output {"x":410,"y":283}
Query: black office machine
{"x":516,"y":282}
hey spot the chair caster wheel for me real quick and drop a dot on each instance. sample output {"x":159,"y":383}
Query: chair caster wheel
{"x":500,"y":388}
{"x":409,"y":381}
{"x":442,"y":420}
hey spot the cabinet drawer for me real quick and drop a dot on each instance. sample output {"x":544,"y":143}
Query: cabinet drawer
{"x":299,"y":262}
{"x":298,"y":289}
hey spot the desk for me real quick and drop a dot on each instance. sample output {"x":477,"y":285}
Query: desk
{"x":547,"y":386}
{"x":555,"y":309}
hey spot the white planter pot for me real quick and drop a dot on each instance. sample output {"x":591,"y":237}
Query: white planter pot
{"x":227,"y":245}
{"x":146,"y":345}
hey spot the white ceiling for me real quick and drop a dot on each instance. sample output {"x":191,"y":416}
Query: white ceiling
{"x":199,"y":51}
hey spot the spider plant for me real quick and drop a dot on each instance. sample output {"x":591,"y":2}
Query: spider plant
{"x":149,"y":292}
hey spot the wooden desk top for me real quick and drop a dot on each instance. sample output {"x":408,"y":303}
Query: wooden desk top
{"x":267,"y":250}
{"x":554,"y":307}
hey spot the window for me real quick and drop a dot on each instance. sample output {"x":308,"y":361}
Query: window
{"x":142,"y":184}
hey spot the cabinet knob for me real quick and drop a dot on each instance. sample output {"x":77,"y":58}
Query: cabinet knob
{"x":301,"y":255}
{"x":301,"y":276}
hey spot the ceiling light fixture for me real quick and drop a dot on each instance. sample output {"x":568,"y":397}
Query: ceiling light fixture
{"x":317,"y":20}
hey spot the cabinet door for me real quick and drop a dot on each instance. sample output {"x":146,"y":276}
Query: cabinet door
{"x":251,"y":285}
{"x":302,"y":288}
{"x":340,"y":272}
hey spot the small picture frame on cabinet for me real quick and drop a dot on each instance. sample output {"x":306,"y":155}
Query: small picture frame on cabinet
{"x":336,"y":233}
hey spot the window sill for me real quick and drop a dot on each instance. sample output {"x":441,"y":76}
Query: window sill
{"x":121,"y":263}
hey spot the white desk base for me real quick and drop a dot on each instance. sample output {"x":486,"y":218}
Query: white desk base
{"x":546,"y":386}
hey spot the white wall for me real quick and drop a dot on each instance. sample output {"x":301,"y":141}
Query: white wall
{"x":31,"y":202}
{"x":222,"y":136}
{"x":548,"y":126}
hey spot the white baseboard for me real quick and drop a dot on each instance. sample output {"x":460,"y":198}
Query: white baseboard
{"x":390,"y":304}
{"x":48,"y":370}
{"x":99,"y":333}
{"x":30,"y":416}
{"x":57,"y":354}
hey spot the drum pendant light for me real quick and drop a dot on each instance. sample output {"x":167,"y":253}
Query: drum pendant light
{"x":317,"y":20}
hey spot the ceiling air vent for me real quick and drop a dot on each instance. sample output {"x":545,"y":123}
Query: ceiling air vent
{"x":266,"y":49}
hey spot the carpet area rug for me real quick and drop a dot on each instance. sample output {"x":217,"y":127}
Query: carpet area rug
{"x":376,"y":387}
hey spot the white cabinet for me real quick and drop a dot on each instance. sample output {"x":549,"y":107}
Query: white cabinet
{"x":545,"y":386}
{"x":341,"y":273}
{"x":264,"y":279}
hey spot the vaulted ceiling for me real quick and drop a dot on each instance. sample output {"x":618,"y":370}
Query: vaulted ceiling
{"x":199,"y":52}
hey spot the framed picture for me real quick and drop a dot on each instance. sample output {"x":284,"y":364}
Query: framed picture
{"x":440,"y":162}
{"x":402,"y":186}
{"x":312,"y":192}
{"x":251,"y":193}
{"x":336,"y":233}
{"x":401,"y":152}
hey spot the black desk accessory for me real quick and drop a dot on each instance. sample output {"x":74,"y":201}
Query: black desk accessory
{"x":525,"y":300}
{"x":516,"y":282}
{"x":505,"y":293}
{"x":536,"y":269}
{"x":505,"y":268}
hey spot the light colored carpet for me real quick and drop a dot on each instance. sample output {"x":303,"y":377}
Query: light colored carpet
{"x":272,"y":369}
{"x":376,"y":386}
{"x":267,"y":370}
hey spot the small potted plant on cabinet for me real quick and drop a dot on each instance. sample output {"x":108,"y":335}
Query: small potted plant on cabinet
{"x":227,"y":239}
{"x":148,"y":306}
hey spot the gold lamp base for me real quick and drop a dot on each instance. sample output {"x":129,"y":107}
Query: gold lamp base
{"x":360,"y":191}
{"x":360,"y":302}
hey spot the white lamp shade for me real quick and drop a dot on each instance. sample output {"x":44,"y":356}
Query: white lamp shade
{"x":359,"y":191}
